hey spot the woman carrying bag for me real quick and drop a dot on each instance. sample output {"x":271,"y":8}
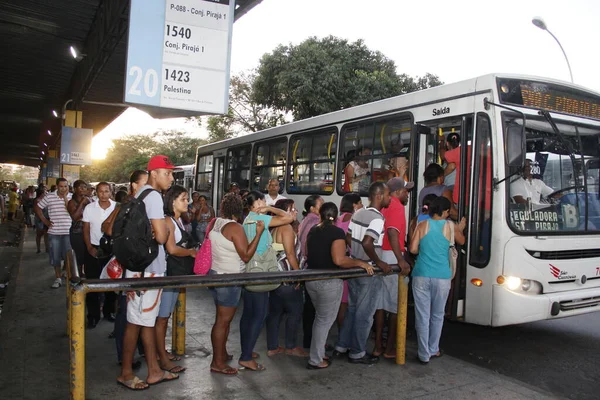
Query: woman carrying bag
{"x":181,"y":250}
{"x":432,"y":275}
{"x":256,"y":303}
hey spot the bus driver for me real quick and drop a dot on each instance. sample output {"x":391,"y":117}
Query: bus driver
{"x":527,"y":187}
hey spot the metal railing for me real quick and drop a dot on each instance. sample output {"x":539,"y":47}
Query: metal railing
{"x":77,"y":288}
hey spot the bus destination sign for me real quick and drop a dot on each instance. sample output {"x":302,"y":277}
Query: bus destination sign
{"x":179,"y":54}
{"x":549,"y":97}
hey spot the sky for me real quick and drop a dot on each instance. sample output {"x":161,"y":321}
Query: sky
{"x":455,"y":40}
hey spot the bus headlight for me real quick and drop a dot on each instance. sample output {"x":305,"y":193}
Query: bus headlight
{"x":515,"y":284}
{"x":512,"y":282}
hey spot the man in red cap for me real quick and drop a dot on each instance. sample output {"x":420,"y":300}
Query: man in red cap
{"x":143,"y":306}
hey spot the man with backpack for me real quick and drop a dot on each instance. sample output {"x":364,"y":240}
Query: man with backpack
{"x":143,"y":306}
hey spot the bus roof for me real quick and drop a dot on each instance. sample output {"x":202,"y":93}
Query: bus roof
{"x":393,"y":104}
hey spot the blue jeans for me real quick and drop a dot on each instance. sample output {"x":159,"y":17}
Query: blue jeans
{"x":58,"y":246}
{"x":430,"y":296}
{"x":362,"y":304}
{"x":288,"y":300}
{"x":253,"y":317}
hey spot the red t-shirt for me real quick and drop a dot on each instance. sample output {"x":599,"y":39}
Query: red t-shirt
{"x":395,"y":218}
{"x":453,"y":156}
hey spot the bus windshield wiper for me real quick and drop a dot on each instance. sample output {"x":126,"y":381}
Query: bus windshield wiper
{"x":569,"y":147}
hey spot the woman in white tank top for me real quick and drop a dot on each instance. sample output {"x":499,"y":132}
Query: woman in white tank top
{"x":230,"y":251}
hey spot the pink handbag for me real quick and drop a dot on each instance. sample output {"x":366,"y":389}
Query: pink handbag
{"x":203,"y":261}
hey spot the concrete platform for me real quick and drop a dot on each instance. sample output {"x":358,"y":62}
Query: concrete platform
{"x":34,"y":362}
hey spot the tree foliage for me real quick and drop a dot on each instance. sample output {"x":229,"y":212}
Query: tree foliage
{"x":245,"y":115}
{"x":324,"y":75}
{"x":23,"y":175}
{"x":133,"y":152}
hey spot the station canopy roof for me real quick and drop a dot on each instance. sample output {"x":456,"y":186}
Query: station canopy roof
{"x":39,"y":75}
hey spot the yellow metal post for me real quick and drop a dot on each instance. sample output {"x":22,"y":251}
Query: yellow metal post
{"x":401,"y":324}
{"x":77,"y":343}
{"x":179,"y":324}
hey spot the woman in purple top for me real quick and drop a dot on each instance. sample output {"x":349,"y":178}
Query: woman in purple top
{"x":312,"y":205}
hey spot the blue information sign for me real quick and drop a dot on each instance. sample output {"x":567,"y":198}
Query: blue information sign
{"x":179,"y":54}
{"x":76,"y":146}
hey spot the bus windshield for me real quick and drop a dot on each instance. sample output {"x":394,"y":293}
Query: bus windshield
{"x":556,"y":191}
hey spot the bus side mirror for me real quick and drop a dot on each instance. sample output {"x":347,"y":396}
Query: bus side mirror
{"x":515,"y":145}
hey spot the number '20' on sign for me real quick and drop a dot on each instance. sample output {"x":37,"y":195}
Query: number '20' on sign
{"x":149,"y":78}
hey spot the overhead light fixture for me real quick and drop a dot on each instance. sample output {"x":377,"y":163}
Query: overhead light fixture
{"x":41,"y":159}
{"x":76,"y":55}
{"x":45,"y":144}
{"x":49,"y":133}
{"x":43,"y":152}
{"x":55,"y":113}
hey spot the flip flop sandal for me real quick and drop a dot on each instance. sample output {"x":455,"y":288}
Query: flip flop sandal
{"x":438,"y":355}
{"x":131,"y":384}
{"x":173,"y":357}
{"x":389,"y":356}
{"x":259,"y":368}
{"x":225,"y":371}
{"x":172,"y":370}
{"x":165,"y":378}
{"x":310,"y":366}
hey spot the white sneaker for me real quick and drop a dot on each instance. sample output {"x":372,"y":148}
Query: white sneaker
{"x":57,"y":283}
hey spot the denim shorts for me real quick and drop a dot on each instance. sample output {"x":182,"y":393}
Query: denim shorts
{"x":226,"y":296}
{"x":168,"y":300}
{"x":58,"y":246}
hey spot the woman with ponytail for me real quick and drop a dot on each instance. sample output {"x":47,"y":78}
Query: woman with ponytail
{"x":326,"y":246}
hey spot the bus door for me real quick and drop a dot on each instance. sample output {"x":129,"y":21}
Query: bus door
{"x":434,"y":134}
{"x":219,"y":180}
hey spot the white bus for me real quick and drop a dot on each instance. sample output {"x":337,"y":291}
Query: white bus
{"x":520,"y":263}
{"x":184,"y":176}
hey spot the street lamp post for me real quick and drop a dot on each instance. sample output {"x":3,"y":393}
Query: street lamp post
{"x":539,"y":22}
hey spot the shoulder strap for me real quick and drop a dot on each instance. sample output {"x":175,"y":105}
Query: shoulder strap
{"x":210,"y":226}
{"x":145,"y":193}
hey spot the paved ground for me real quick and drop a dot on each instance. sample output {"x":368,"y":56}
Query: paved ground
{"x":558,"y":356}
{"x":34,"y":359}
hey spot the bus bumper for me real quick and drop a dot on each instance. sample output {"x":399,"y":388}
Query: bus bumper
{"x":509,"y":308}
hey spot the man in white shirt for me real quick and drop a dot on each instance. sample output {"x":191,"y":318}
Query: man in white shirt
{"x":273,"y":196}
{"x":528,"y":187}
{"x":94,"y":215}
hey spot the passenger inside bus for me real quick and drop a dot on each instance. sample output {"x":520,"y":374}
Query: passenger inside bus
{"x":357,"y":173}
{"x":451,"y":153}
{"x":398,"y":163}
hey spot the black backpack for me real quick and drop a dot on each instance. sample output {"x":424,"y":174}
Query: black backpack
{"x":132,"y":241}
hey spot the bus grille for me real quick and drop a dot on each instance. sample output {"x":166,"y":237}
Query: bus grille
{"x":564,"y":254}
{"x":581,"y":303}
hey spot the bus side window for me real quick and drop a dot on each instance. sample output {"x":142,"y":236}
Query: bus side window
{"x":312,"y":162}
{"x":269,"y":161}
{"x":204,"y":173}
{"x":238,"y":167}
{"x":372,"y":151}
{"x":481,"y":226}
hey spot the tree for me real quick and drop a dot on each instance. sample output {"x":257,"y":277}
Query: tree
{"x":324,"y":75}
{"x":245,"y":114}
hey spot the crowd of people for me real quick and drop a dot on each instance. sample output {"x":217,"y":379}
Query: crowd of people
{"x":254,"y":230}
